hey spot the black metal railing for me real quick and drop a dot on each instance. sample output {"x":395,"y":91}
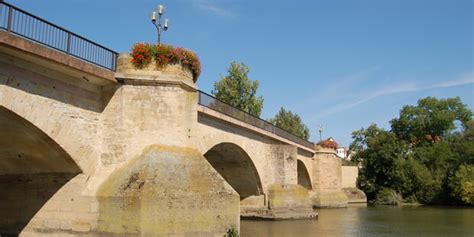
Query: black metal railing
{"x":213,"y":103}
{"x":24,"y":24}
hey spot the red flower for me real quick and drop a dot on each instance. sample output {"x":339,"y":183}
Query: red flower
{"x":142,"y":55}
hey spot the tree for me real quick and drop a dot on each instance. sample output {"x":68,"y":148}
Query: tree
{"x":430,"y":120}
{"x":238,"y":90}
{"x":361,"y":139}
{"x":291,"y":122}
{"x":380,"y":153}
{"x":423,"y":157}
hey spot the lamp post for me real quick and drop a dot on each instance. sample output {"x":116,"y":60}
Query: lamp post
{"x":157,"y":22}
{"x":320,"y":129}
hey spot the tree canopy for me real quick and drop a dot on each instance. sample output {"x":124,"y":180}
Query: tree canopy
{"x":291,"y":122}
{"x":423,"y":157}
{"x":238,"y":90}
{"x":430,"y":120}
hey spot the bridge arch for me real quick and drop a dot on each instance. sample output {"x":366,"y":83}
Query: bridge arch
{"x":303,"y":175}
{"x":236,"y":167}
{"x":33,"y":167}
{"x":64,"y":109}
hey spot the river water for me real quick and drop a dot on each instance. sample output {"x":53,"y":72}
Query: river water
{"x":370,"y":221}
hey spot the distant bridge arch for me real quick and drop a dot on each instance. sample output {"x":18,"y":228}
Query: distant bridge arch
{"x":304,"y":179}
{"x":236,"y":167}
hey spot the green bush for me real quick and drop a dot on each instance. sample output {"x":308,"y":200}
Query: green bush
{"x":462,"y":185}
{"x":388,"y":196}
{"x":232,"y":232}
{"x":418,"y":184}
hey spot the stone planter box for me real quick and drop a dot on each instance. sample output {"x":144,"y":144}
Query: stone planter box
{"x":172,"y":72}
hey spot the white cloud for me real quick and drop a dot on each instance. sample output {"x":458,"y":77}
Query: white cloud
{"x":213,"y":8}
{"x":464,"y":80}
{"x":396,"y":89}
{"x":333,"y":90}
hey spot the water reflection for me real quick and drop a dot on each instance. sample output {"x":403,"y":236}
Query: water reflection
{"x":370,"y":221}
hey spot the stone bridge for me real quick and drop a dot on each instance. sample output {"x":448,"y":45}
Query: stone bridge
{"x":91,"y":152}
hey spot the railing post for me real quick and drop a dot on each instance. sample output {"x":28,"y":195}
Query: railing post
{"x":114,"y":63}
{"x":68,"y":44}
{"x":9,"y":24}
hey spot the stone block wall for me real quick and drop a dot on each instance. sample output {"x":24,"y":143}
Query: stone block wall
{"x":328,"y":184}
{"x":349,"y":176}
{"x":349,"y":185}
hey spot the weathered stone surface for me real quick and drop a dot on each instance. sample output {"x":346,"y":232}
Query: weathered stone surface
{"x":26,"y":194}
{"x":62,"y":107}
{"x":355,"y":196}
{"x":329,"y":199}
{"x":285,"y":202}
{"x":349,"y":176}
{"x":328,"y":187}
{"x":167,"y":191}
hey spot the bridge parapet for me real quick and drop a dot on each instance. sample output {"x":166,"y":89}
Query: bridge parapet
{"x":16,"y":21}
{"x":173,"y":74}
{"x":255,"y":123}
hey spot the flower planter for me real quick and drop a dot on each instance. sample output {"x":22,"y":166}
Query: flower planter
{"x":151,"y":72}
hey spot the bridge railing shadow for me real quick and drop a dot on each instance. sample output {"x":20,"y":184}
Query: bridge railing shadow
{"x":213,"y":103}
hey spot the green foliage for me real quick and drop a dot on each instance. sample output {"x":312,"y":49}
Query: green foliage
{"x":462,"y":185}
{"x":291,"y":122}
{"x":437,"y":157}
{"x":238,"y":90}
{"x":388,"y":196}
{"x":421,"y":157}
{"x":232,"y":232}
{"x":417,"y":183}
{"x":364,"y":138}
{"x":430,"y":120}
{"x":380,"y":153}
{"x":469,"y":132}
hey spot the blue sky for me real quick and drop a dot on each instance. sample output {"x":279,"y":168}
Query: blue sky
{"x":343,"y":64}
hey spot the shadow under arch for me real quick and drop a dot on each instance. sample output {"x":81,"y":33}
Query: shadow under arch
{"x":33,"y":167}
{"x":236,"y":167}
{"x":303,"y":175}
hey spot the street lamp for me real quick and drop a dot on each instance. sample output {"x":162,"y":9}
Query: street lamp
{"x":157,"y":22}
{"x":320,"y":129}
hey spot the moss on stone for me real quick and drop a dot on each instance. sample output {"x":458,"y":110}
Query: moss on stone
{"x":164,"y":191}
{"x":330,"y":199}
